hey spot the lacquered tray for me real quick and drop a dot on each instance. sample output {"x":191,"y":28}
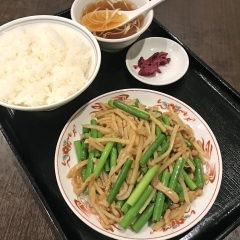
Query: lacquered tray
{"x":33,"y":137}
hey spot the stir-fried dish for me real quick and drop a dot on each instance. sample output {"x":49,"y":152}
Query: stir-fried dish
{"x":138,"y":165}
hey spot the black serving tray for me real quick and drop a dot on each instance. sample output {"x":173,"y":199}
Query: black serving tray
{"x":33,"y":137}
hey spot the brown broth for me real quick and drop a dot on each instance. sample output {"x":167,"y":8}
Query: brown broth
{"x":120,"y":32}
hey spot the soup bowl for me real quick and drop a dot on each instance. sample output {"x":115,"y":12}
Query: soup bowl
{"x":113,"y":45}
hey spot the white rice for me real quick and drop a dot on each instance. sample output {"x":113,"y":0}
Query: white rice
{"x":42,"y":64}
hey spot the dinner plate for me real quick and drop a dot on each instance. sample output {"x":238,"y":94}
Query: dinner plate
{"x":170,"y":72}
{"x":65,"y":158}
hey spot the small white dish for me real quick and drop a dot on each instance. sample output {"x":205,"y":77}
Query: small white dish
{"x":171,"y":72}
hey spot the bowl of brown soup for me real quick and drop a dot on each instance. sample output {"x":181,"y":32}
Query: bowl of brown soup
{"x":116,"y":39}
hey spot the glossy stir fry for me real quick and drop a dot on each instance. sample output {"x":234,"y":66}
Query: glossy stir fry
{"x":138,"y":165}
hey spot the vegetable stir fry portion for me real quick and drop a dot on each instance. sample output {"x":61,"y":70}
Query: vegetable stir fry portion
{"x":138,"y":165}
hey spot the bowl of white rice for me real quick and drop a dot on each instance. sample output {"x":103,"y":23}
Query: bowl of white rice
{"x":46,"y":61}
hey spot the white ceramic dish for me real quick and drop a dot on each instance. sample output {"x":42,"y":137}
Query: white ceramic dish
{"x":113,"y":45}
{"x":171,"y":72}
{"x":85,"y":35}
{"x":65,"y":158}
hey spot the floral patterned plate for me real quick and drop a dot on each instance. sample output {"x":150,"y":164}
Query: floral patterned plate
{"x":65,"y":158}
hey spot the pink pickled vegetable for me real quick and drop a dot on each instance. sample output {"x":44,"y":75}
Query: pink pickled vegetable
{"x":151,"y":65}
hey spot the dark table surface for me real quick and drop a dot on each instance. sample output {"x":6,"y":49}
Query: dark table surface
{"x":209,"y":28}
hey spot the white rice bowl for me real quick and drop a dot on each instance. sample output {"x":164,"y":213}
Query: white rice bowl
{"x":46,"y":61}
